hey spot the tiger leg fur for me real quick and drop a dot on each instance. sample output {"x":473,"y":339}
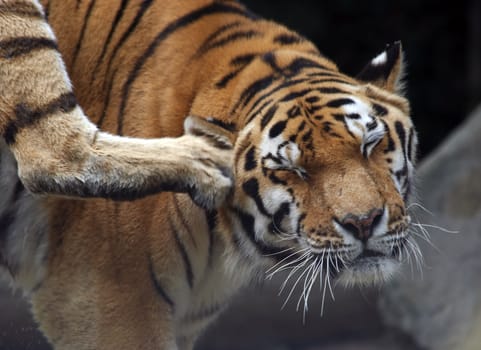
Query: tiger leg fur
{"x":59,"y":151}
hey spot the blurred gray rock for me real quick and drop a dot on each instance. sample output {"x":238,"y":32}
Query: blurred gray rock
{"x":443,"y":309}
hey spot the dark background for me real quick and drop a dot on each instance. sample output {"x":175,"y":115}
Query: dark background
{"x":441,"y":40}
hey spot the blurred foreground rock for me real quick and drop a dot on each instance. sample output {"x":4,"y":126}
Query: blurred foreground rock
{"x":443,"y":310}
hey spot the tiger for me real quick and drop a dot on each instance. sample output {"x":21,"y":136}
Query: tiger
{"x":322,"y":166}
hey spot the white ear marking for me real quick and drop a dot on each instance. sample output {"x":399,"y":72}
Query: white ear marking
{"x":379,"y":59}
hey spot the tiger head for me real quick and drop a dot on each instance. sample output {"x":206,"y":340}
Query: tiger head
{"x":323,"y":171}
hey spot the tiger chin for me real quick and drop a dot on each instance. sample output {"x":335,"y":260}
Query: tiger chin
{"x":322,"y":166}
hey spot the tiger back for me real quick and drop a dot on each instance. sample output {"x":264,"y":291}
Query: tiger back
{"x":322,"y":165}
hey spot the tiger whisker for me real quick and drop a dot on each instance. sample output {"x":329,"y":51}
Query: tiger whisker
{"x":285,"y":266}
{"x":279,"y":252}
{"x":442,"y":229}
{"x":295,"y":284}
{"x":293,"y":271}
{"x":418,"y":205}
{"x":329,"y":275}
{"x":309,"y":269}
{"x":311,"y":284}
{"x":324,"y":288}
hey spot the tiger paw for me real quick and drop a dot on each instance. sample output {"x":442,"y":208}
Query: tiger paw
{"x":211,"y":185}
{"x":211,"y":150}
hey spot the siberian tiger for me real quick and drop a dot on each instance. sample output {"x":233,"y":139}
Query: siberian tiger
{"x":322,"y":165}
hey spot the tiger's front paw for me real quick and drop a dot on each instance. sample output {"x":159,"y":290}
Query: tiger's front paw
{"x":212,"y":183}
{"x":211,"y":149}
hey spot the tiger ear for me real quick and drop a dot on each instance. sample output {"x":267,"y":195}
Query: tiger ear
{"x":215,"y":130}
{"x":386,"y":70}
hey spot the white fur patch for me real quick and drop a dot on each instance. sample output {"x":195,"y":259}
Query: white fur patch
{"x":379,"y":59}
{"x":369,"y":137}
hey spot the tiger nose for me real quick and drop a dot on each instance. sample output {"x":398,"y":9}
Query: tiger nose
{"x":361,"y":227}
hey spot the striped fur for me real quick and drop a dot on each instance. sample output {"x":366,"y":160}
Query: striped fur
{"x":322,"y":165}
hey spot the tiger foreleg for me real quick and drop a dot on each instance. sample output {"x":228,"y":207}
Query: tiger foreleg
{"x":59,"y":151}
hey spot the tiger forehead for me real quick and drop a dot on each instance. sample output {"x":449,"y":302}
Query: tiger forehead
{"x":323,"y":113}
{"x":298,"y":131}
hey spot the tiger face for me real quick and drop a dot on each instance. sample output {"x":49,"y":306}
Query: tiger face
{"x":322,"y":179}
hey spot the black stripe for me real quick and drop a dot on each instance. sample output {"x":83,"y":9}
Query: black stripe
{"x":113,"y":27}
{"x":212,"y":139}
{"x":222,"y":83}
{"x":13,"y":48}
{"x":212,"y":37}
{"x":277,"y":128}
{"x":292,"y":69}
{"x":268,"y":116}
{"x":82,"y":32}
{"x":252,"y":115}
{"x":324,"y":74}
{"x":229,"y":126}
{"x":295,"y":95}
{"x":379,"y":110}
{"x":307,"y":136}
{"x":390,"y":142}
{"x":353,"y":116}
{"x":248,"y":94}
{"x":144,"y":6}
{"x":211,"y":218}
{"x":288,"y":39}
{"x":331,"y":90}
{"x":283,"y":211}
{"x":330,"y":80}
{"x":182,"y":22}
{"x":281,"y":86}
{"x":294,"y":111}
{"x":371,"y":125}
{"x":270,"y":59}
{"x":91,"y":188}
{"x":250,"y":162}
{"x":302,"y":63}
{"x":24,"y":116}
{"x":339,"y":102}
{"x":183,"y":221}
{"x":342,"y":118}
{"x":401,"y":134}
{"x":411,"y":144}
{"x":183,"y":253}
{"x":21,"y":9}
{"x":251,"y":188}
{"x":158,"y":287}
{"x":242,"y":61}
{"x":248,"y":223}
{"x":366,"y":146}
{"x":312,"y":99}
{"x":107,"y":99}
